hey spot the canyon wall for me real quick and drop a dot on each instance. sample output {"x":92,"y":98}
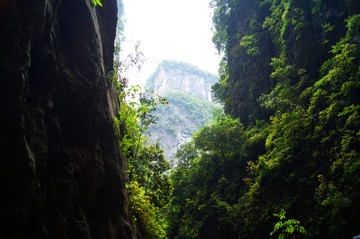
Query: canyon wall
{"x":171,"y":75}
{"x":62,"y":174}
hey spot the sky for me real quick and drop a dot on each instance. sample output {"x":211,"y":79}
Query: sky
{"x":170,"y":29}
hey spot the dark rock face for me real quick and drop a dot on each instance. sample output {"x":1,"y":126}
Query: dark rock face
{"x":62,"y":175}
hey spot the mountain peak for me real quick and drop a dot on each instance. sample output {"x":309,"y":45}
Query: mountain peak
{"x":174,"y":75}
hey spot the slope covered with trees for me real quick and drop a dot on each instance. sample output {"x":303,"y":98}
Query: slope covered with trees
{"x":188,"y":91}
{"x":290,"y":81}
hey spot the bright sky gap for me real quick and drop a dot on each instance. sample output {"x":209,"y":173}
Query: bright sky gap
{"x":170,"y":29}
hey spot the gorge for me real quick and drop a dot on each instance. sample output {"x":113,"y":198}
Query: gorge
{"x":282,"y":160}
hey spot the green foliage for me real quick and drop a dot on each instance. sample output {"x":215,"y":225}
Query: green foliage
{"x":202,"y":176}
{"x":250,"y":43}
{"x":336,"y":103}
{"x":283,"y":19}
{"x":96,"y":2}
{"x":146,"y":215}
{"x":192,"y":105}
{"x":149,"y":189}
{"x":151,"y":170}
{"x":304,"y":155}
{"x":327,"y":27}
{"x":282,"y":96}
{"x":317,"y":6}
{"x":287,"y":229}
{"x":220,"y":18}
{"x":221,"y":90}
{"x":185,"y":114}
{"x":246,"y":47}
{"x":221,"y":137}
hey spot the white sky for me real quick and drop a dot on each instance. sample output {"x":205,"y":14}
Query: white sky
{"x":173,"y":30}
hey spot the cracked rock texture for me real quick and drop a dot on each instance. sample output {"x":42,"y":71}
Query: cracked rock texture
{"x":172,"y":75}
{"x":62,"y":175}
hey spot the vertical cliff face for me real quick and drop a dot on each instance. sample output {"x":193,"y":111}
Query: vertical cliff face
{"x":252,"y":40}
{"x":61,"y":168}
{"x":170,"y":76}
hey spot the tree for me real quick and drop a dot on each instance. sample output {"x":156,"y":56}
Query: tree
{"x":287,"y":229}
{"x":151,"y":169}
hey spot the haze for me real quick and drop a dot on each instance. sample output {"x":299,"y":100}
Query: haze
{"x":173,"y":30}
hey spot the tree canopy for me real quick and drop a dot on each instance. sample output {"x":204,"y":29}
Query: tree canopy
{"x":290,"y":139}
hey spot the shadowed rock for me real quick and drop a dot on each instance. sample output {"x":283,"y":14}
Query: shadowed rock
{"x":62,"y":175}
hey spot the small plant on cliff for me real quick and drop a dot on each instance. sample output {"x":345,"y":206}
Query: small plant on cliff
{"x":96,"y":2}
{"x":287,"y":229}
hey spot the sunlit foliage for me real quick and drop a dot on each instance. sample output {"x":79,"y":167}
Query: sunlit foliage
{"x":290,"y":82}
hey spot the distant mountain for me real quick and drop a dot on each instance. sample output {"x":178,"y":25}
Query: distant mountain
{"x":172,"y":75}
{"x":188,"y":90}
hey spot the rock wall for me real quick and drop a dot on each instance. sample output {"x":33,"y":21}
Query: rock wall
{"x":62,"y":175}
{"x":177,"y":121}
{"x":175,"y":79}
{"x":172,"y":75}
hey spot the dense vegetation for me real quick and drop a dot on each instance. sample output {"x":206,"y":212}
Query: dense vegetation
{"x":188,"y":91}
{"x":290,"y":81}
{"x":283,"y":161}
{"x":178,"y":120}
{"x":149,"y":188}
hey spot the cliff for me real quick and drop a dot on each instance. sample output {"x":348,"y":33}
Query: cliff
{"x":255,"y":32}
{"x":188,"y":91}
{"x":171,"y":75}
{"x":62,"y":175}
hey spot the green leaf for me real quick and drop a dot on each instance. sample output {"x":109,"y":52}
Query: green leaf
{"x":96,"y":2}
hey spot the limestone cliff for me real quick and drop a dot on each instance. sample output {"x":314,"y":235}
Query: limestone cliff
{"x":62,"y":175}
{"x":181,"y":76}
{"x":188,"y":91}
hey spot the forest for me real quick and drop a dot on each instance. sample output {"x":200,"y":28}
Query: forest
{"x":283,"y":160}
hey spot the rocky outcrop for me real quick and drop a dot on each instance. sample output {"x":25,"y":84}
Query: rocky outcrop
{"x":171,"y":75}
{"x":184,"y":115}
{"x":188,"y":91}
{"x":62,"y":175}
